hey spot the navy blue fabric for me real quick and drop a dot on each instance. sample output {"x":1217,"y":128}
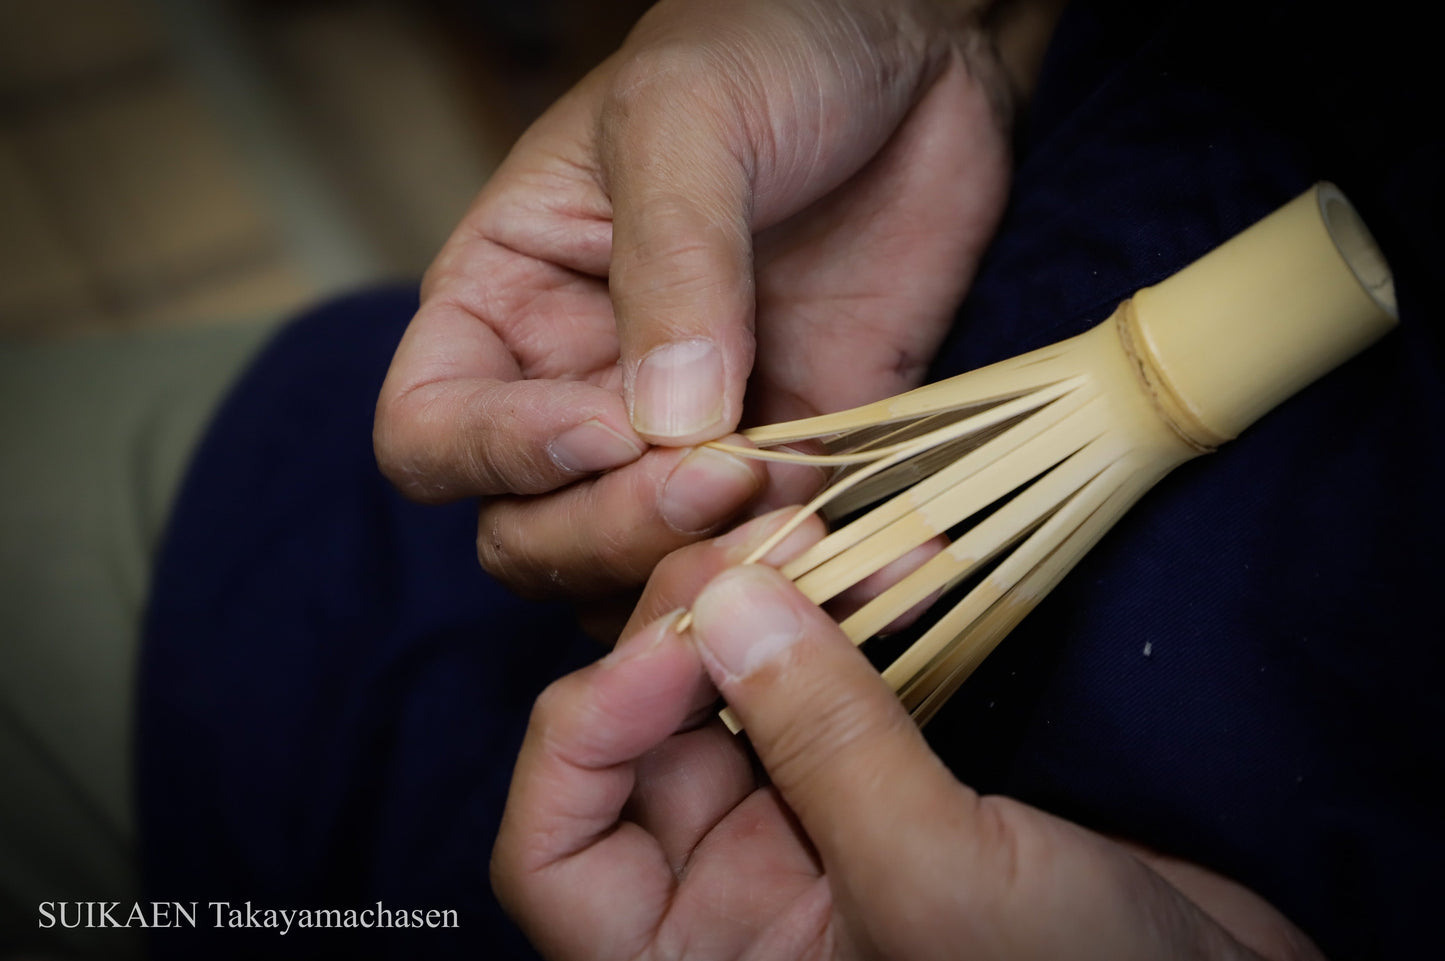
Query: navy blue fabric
{"x":1241,"y":674}
{"x":332,"y":691}
{"x":1281,"y":726}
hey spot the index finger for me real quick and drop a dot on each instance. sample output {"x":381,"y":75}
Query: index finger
{"x":458,"y":416}
{"x":563,"y":849}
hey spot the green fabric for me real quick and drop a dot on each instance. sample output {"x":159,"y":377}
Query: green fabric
{"x":94,"y":438}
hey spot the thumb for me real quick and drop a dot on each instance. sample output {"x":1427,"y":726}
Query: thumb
{"x":681,"y":275}
{"x":834,"y":739}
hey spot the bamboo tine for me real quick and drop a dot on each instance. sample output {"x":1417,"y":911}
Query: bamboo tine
{"x":1060,"y":407}
{"x":919,"y":473}
{"x":1010,"y":571}
{"x":1042,"y":453}
{"x":918,"y":520}
{"x":983,"y":542}
{"x":959,"y":658}
{"x":988,"y":385}
{"x":870,"y":438}
{"x":889,"y":457}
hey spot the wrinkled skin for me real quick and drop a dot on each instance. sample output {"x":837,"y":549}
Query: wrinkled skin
{"x":633,"y":833}
{"x":756,"y":210}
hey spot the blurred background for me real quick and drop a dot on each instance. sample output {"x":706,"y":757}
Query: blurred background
{"x":192,"y":162}
{"x":176,"y":176}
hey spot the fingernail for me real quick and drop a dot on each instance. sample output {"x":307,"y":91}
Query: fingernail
{"x":678,"y":390}
{"x":704,"y":489}
{"x":744,"y":620}
{"x":592,"y":446}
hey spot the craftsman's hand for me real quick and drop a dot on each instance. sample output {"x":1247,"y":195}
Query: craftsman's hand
{"x":787,"y":196}
{"x":629,"y":834}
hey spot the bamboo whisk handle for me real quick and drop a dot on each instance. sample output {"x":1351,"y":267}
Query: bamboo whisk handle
{"x":1236,"y":332}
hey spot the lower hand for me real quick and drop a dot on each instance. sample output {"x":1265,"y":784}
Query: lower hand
{"x":633,"y":832}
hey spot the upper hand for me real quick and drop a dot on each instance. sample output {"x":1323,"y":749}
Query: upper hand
{"x":632,"y":833}
{"x":788,"y":196}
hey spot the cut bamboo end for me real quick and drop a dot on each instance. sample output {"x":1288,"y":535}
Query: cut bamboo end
{"x":1266,"y":313}
{"x":1025,"y":464}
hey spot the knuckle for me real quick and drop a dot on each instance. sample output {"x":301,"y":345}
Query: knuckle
{"x":553,"y":704}
{"x":502,"y":448}
{"x":999,"y":842}
{"x":694,"y":261}
{"x":493,"y":552}
{"x":507,"y":553}
{"x":584,"y":541}
{"x":403,"y":462}
{"x":615,"y":525}
{"x":613,"y":557}
{"x":569,"y":719}
{"x":504,"y":874}
{"x":618,"y":557}
{"x":821,"y":730}
{"x":652,"y":78}
{"x":438,"y":442}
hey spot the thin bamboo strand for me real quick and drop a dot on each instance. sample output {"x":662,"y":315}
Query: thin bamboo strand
{"x":1012,"y":569}
{"x":873,"y":437}
{"x":916,"y":472}
{"x":870,"y":438}
{"x":966,"y":652}
{"x":996,"y":383}
{"x":897,"y":454}
{"x":921,"y":520}
{"x":1045,"y":418}
{"x":909,"y":441}
{"x":913,"y":472}
{"x":982,"y":543}
{"x":918,"y":467}
{"x":812,"y":460}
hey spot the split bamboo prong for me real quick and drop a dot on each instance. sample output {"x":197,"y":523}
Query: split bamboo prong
{"x":1025,"y":464}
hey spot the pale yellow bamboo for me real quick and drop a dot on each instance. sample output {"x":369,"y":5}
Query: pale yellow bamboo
{"x":952,"y":477}
{"x":927,"y":520}
{"x":1077,"y":432}
{"x":960,"y":656}
{"x":981,"y":544}
{"x":896,"y":454}
{"x":918,"y":473}
{"x":988,"y":385}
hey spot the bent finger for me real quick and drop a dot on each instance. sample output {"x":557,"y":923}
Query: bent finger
{"x":607,"y":534}
{"x":562,"y":849}
{"x":690,"y":782}
{"x":458,"y":416}
{"x":469,"y":438}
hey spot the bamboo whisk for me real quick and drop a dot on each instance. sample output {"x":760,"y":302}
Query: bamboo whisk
{"x":1042,"y":453}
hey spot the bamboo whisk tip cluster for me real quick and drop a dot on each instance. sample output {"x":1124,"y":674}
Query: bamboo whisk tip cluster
{"x":1022,"y":466}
